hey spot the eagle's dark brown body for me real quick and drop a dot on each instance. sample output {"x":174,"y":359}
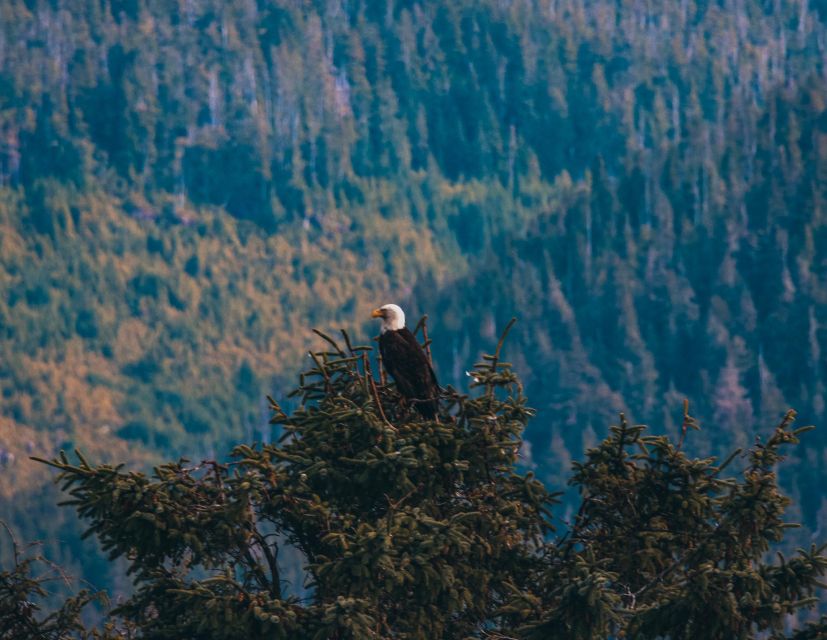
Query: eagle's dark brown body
{"x":408,"y":365}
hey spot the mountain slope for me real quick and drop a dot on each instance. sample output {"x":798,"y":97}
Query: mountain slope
{"x":187,"y":188}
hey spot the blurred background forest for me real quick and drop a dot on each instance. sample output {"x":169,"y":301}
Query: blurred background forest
{"x":186,"y":188}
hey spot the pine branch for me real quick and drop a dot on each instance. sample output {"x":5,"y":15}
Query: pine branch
{"x":375,"y":392}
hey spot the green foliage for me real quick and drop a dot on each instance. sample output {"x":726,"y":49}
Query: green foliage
{"x":666,"y":546}
{"x":23,"y":585}
{"x":183,"y":185}
{"x":420,"y":529}
{"x":413,"y":529}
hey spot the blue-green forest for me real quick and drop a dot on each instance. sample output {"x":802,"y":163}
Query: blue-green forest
{"x":188,"y":188}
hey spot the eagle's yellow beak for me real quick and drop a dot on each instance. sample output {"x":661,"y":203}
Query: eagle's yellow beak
{"x":377,"y":313}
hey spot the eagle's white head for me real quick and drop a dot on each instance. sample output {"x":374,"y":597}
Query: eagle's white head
{"x":393,"y":318}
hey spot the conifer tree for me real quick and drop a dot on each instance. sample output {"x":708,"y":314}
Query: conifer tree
{"x":23,"y":585}
{"x":410,"y":528}
{"x":422,"y":529}
{"x":665,"y":546}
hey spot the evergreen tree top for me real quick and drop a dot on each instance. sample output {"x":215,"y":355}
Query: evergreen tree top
{"x":413,"y":528}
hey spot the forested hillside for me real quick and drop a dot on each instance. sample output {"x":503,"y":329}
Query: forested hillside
{"x":186,"y":188}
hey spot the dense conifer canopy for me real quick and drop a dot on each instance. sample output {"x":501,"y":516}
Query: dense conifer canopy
{"x":186,"y":185}
{"x":419,"y":529}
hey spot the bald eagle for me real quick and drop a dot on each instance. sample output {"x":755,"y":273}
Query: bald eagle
{"x":406,"y":361}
